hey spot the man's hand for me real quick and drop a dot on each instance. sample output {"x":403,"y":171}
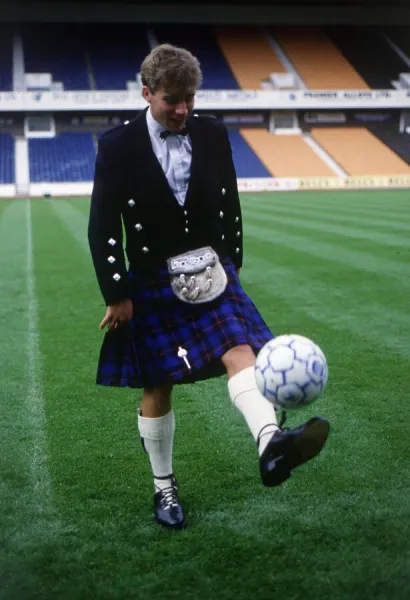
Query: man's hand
{"x":117,"y":315}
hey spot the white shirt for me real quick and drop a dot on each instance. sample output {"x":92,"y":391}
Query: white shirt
{"x":174,"y":155}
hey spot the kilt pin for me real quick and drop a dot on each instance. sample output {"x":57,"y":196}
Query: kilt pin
{"x":131,"y":193}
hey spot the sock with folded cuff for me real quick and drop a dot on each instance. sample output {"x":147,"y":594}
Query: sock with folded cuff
{"x":258,"y":412}
{"x":158,"y":436}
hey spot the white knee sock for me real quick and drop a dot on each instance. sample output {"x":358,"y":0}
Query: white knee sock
{"x":259,"y":413}
{"x":158,"y":436}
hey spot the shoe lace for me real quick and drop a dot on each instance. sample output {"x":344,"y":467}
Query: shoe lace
{"x":280,"y":425}
{"x":169,"y":497}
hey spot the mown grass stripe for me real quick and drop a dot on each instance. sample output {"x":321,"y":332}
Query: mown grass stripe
{"x":334,"y":306}
{"x":305,"y":244}
{"x":313,"y":225}
{"x":322,"y":214}
{"x":73,"y":219}
{"x":353,"y":203}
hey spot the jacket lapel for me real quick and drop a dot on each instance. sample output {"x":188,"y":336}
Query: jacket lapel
{"x":149,"y":172}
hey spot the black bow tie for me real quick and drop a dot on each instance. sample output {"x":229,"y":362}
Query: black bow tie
{"x":164,"y":134}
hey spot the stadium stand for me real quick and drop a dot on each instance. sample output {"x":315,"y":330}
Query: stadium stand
{"x":6,"y":53}
{"x":247,"y":163}
{"x":199,"y":39}
{"x":232,"y":58}
{"x":66,"y":158}
{"x":112,"y":65}
{"x":398,"y":142}
{"x":286,"y":155}
{"x":370,"y":54}
{"x":59,"y":50}
{"x":359,"y":152}
{"x":249,"y":54}
{"x":6,"y":159}
{"x":317,"y":60}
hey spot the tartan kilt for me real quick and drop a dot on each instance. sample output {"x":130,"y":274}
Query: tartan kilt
{"x":145,"y":352}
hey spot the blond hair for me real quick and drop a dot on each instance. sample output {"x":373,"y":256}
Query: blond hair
{"x":171,"y":69}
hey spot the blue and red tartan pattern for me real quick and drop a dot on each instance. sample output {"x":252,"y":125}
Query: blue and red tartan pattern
{"x":145,"y":353}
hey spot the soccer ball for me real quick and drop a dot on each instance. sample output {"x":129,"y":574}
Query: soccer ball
{"x":291,"y":371}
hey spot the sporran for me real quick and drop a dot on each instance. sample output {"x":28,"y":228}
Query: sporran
{"x":197,"y":276}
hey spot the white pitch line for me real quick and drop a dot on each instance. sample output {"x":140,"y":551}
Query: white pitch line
{"x":39,"y":471}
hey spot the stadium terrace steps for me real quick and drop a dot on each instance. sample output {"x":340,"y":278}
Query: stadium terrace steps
{"x":119,"y":61}
{"x":249,"y":54}
{"x":200,"y":40}
{"x":370,"y":54}
{"x":7,"y":174}
{"x":58,"y":49}
{"x":396,"y":141}
{"x":286,"y":155}
{"x":318,"y":61}
{"x":359,"y":152}
{"x":247,"y":163}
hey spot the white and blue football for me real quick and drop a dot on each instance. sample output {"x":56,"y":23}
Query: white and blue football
{"x":291,"y":371}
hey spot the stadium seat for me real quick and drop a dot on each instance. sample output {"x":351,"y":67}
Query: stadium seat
{"x":113,"y":64}
{"x":247,"y":163}
{"x":66,"y":158}
{"x":57,"y":49}
{"x":370,"y":54}
{"x":200,"y":41}
{"x":6,"y":159}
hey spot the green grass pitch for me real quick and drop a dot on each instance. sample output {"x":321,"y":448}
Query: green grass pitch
{"x":75,"y":486}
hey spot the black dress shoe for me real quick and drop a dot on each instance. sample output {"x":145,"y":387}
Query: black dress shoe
{"x":168,"y":511}
{"x":289,"y":449}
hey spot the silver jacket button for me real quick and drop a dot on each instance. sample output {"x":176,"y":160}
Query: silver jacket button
{"x":145,"y":249}
{"x":111,"y":259}
{"x":138,"y":226}
{"x":116,"y":276}
{"x":131,"y":202}
{"x":221,"y":214}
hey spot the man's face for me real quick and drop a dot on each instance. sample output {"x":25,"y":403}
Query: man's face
{"x":170,"y":110}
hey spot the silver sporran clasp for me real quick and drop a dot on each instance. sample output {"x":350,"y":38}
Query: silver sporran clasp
{"x":197,"y":276}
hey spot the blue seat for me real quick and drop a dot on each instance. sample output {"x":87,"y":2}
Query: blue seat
{"x":7,"y":175}
{"x":68,"y":157}
{"x":57,"y":49}
{"x":247,"y":163}
{"x":199,"y":40}
{"x":119,"y":61}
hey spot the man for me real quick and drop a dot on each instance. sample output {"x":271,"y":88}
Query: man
{"x":179,"y":313}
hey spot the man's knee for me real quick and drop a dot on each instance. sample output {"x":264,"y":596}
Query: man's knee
{"x":237,"y":359}
{"x":156,"y":401}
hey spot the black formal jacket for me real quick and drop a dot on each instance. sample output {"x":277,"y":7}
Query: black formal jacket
{"x":131,"y":194}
